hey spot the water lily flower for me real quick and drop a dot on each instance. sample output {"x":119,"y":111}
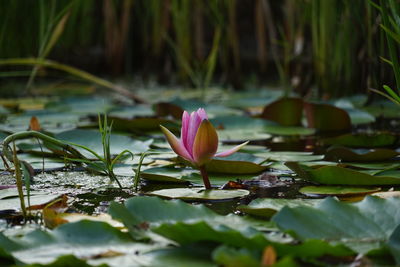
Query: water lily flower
{"x":199,"y":141}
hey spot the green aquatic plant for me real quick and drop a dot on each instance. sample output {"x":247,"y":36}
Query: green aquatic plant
{"x":138,"y":171}
{"x":102,"y":163}
{"x":390,"y":25}
{"x":106,"y":163}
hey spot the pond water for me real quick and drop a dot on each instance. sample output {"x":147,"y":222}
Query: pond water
{"x":289,"y":172}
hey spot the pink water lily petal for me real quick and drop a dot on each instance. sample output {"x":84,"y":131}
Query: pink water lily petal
{"x":185,"y":127}
{"x":194,"y":124}
{"x":205,"y":143}
{"x":202,"y":113}
{"x":231,"y":151}
{"x":176,"y":144}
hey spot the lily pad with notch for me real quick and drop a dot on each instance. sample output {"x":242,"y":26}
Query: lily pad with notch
{"x":286,"y":111}
{"x":340,"y":191}
{"x":381,"y":139}
{"x":364,"y":226}
{"x":238,"y":163}
{"x":336,"y":153}
{"x":336,"y":175}
{"x":267,"y":207}
{"x":92,"y":140}
{"x":326,"y":117}
{"x":200,"y":194}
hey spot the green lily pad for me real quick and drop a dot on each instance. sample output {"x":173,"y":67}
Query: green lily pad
{"x":357,"y":116}
{"x":186,"y":175}
{"x":217,"y":179}
{"x":362,"y":140}
{"x":13,"y":203}
{"x":13,"y":192}
{"x":286,"y":111}
{"x":81,"y":105}
{"x":231,"y":257}
{"x":289,"y":130}
{"x":242,"y":135}
{"x":394,"y":244}
{"x":335,"y":175}
{"x":212,"y":109}
{"x":132,"y":111}
{"x":166,"y":174}
{"x":37,"y":163}
{"x":240,"y":122}
{"x":2,"y":136}
{"x":157,"y":210}
{"x":66,"y":260}
{"x":388,"y":165}
{"x":267,"y":207}
{"x":200,"y":194}
{"x":325,"y":117}
{"x":361,"y":155}
{"x":363,"y":226}
{"x":189,"y":224}
{"x":337,"y":190}
{"x":192,"y":232}
{"x":289,"y":156}
{"x":238,"y":163}
{"x":193,"y":256}
{"x":84,"y":239}
{"x":138,"y":124}
{"x":92,"y":140}
{"x":241,"y":257}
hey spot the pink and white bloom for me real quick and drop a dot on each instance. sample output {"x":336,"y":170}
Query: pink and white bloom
{"x":199,"y":140}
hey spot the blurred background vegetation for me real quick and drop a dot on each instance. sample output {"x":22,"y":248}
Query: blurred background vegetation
{"x":328,"y":48}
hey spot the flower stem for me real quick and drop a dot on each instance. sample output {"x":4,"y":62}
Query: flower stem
{"x":204,"y":174}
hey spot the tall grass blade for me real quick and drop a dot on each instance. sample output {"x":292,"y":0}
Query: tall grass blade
{"x":73,"y":71}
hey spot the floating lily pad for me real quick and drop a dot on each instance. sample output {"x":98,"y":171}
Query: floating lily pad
{"x":240,"y":122}
{"x":186,"y":175}
{"x":200,"y":194}
{"x":362,"y":140}
{"x":92,"y":140}
{"x":242,"y":135}
{"x":337,"y":190}
{"x":362,"y":155}
{"x":132,"y":111}
{"x":286,"y":111}
{"x":217,"y":179}
{"x":289,"y":130}
{"x":394,"y":244}
{"x":166,"y":174}
{"x":289,"y":156}
{"x":13,"y":192}
{"x":388,"y":165}
{"x":13,"y":203}
{"x":238,"y":163}
{"x":191,"y":224}
{"x":325,"y":117}
{"x":335,"y":175}
{"x":138,"y":124}
{"x":183,"y":256}
{"x":82,"y":105}
{"x":387,"y":194}
{"x":357,"y":116}
{"x":200,"y":231}
{"x":84,"y":239}
{"x":364,"y":225}
{"x":266,"y":207}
